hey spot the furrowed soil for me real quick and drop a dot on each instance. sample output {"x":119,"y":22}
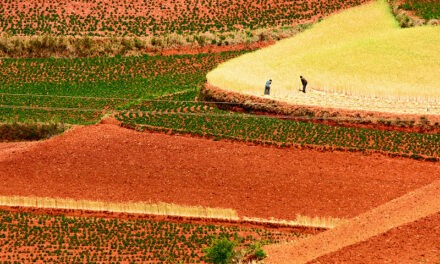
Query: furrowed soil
{"x":109,"y":163}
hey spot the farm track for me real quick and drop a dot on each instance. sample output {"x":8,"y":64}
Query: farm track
{"x":412,"y":211}
{"x":109,"y":163}
{"x":416,"y":242}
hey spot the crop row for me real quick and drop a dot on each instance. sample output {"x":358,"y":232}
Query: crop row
{"x":27,"y":237}
{"x":208,"y":121}
{"x":80,"y":90}
{"x":427,"y":9}
{"x":142,"y":17}
{"x":160,"y":92}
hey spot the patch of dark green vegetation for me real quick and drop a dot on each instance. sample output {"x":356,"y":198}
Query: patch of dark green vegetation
{"x":29,"y":132}
{"x":427,"y":9}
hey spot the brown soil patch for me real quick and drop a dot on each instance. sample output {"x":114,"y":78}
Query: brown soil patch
{"x":406,"y":209}
{"x":109,"y":163}
{"x":417,"y":242}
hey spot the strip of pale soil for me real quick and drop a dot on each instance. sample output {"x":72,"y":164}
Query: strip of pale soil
{"x":109,"y":163}
{"x":417,"y":242}
{"x":411,"y":207}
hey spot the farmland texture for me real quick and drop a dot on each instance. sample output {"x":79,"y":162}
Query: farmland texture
{"x":105,"y":162}
{"x":146,"y":17}
{"x":79,"y":91}
{"x":371,"y":57}
{"x":28,"y":237}
{"x":160,"y":93}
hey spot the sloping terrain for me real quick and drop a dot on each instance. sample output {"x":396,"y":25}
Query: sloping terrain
{"x":416,"y":242}
{"x":109,"y":163}
{"x":411,"y":207}
{"x":370,"y":56}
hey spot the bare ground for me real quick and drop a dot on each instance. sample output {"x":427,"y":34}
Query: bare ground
{"x":109,"y":163}
{"x":345,"y":243}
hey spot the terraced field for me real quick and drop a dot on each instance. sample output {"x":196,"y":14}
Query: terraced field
{"x":217,"y":153}
{"x":160,"y":93}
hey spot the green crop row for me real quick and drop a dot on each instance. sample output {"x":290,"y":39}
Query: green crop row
{"x":204,"y":120}
{"x":160,"y":93}
{"x":82,"y":90}
{"x":27,"y":237}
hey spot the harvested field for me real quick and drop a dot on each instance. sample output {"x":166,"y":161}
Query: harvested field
{"x":109,"y":163}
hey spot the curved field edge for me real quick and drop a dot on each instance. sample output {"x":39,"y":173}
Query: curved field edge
{"x":400,"y":211}
{"x":367,"y":57}
{"x":163,"y":209}
{"x":360,"y":126}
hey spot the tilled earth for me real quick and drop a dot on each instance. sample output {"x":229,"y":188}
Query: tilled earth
{"x":110,"y":163}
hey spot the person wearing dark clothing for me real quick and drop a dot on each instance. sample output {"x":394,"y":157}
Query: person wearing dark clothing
{"x":267,"y":87}
{"x":304,"y":83}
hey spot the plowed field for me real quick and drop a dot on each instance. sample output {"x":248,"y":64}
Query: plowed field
{"x":106,"y":162}
{"x":417,"y":242}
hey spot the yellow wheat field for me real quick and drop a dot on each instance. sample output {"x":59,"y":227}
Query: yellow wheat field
{"x":360,"y":51}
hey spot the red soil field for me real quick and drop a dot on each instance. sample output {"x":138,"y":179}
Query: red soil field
{"x":110,"y":163}
{"x":417,"y":242}
{"x":404,"y":230}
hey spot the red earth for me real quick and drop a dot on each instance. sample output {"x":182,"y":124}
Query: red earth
{"x":416,"y":242}
{"x":404,"y":230}
{"x":110,"y":163}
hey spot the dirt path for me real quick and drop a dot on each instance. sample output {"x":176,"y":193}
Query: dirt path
{"x":109,"y":163}
{"x":417,"y":242}
{"x":403,"y":210}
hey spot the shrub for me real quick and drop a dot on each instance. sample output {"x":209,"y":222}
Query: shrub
{"x":221,"y":251}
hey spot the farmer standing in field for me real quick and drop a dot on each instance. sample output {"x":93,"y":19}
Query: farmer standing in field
{"x":304,"y":83}
{"x":267,"y":87}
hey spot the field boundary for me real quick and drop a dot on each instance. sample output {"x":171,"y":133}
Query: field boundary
{"x":405,"y":209}
{"x":157,"y":210}
{"x":407,"y":18}
{"x":324,"y":115}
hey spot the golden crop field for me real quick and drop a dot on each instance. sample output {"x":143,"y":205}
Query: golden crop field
{"x":360,"y":51}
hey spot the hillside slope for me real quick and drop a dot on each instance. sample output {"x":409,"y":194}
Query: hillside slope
{"x":359,"y":51}
{"x":411,"y":207}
